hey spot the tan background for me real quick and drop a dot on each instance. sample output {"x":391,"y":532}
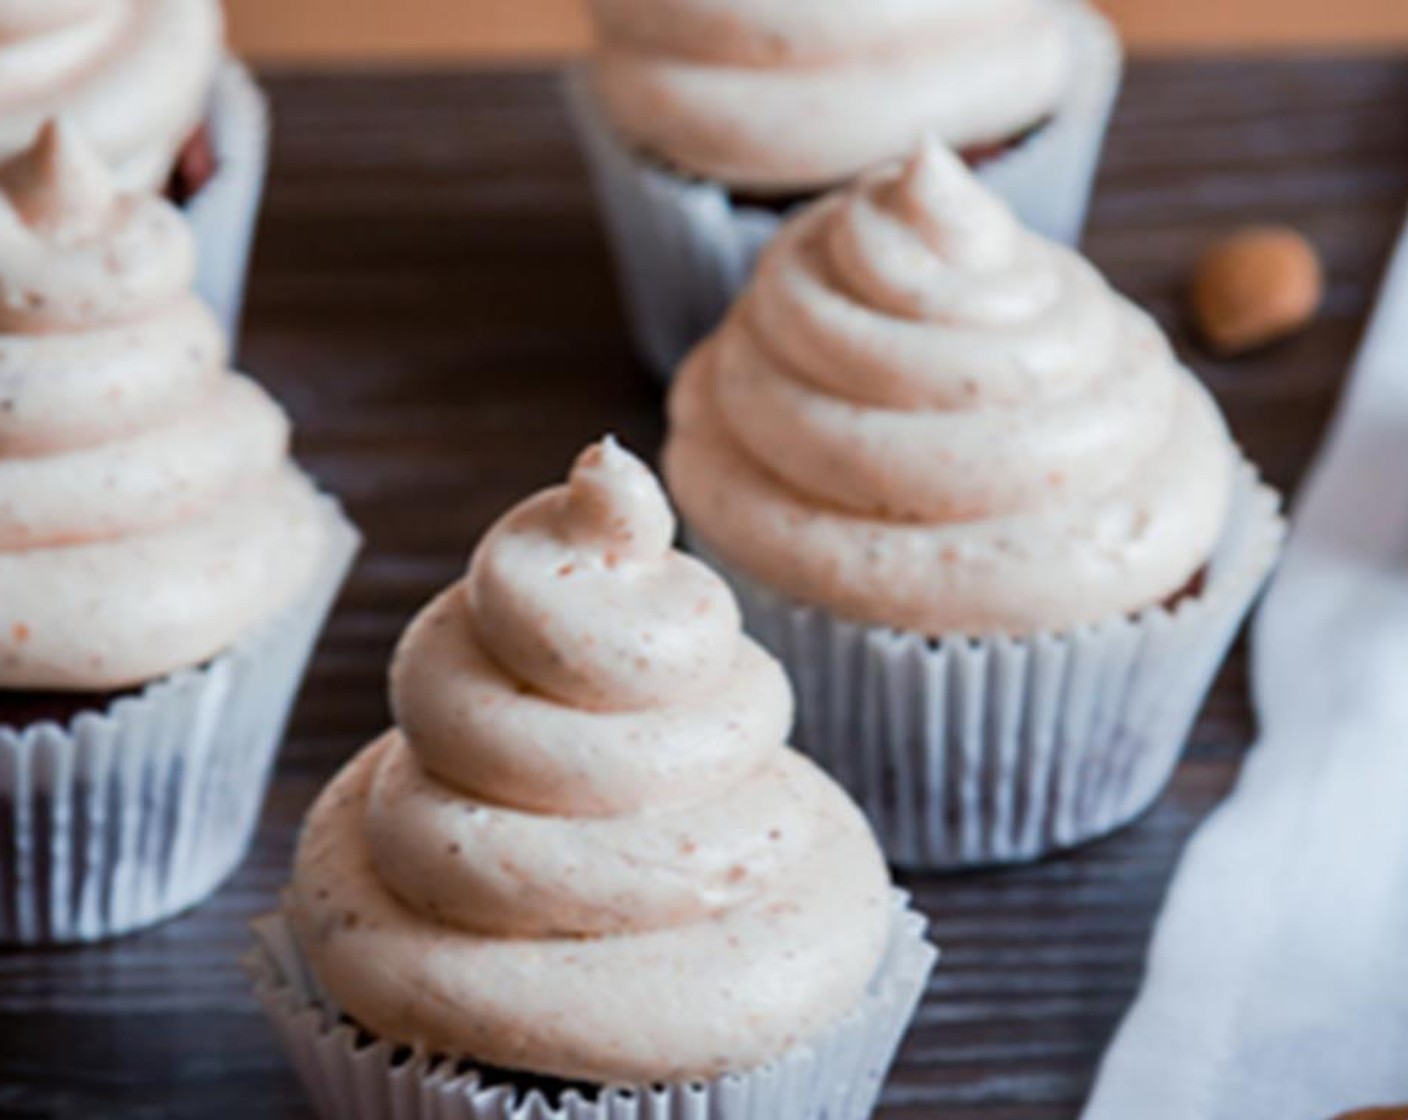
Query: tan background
{"x":428,"y":30}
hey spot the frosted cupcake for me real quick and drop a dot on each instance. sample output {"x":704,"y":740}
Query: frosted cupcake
{"x":151,"y":87}
{"x":704,"y":120}
{"x":998,"y":535}
{"x":583,"y":875}
{"x":164,"y":566}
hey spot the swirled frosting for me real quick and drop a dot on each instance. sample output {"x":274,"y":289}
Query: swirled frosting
{"x":776,"y":96}
{"x":921,"y":415}
{"x":584,"y":851}
{"x":134,"y":74}
{"x":149,"y":512}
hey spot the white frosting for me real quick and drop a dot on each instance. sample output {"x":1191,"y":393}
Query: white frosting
{"x":924,"y":416}
{"x":133,"y":74}
{"x":585,"y":852}
{"x":149,"y":513}
{"x":768,"y":95}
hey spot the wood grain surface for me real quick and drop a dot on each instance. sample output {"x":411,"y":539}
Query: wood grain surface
{"x":432,"y":300}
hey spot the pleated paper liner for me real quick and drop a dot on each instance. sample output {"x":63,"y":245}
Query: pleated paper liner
{"x":836,"y":1076}
{"x":685,"y":249}
{"x":967,"y":752}
{"x":132,"y":814}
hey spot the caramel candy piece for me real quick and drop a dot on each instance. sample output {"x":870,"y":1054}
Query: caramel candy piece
{"x":1256,"y":287}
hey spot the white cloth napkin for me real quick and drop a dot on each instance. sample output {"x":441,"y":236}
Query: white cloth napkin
{"x":1277,"y":984}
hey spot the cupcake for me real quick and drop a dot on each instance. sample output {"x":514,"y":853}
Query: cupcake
{"x":164,"y":566}
{"x":583,"y":876}
{"x":150,"y":85}
{"x":998,"y":535}
{"x":703,"y":122}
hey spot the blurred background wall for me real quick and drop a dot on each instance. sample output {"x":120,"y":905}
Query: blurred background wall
{"x":336,"y":31}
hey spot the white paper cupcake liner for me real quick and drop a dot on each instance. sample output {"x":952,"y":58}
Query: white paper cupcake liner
{"x":970,"y":752}
{"x":836,"y":1076}
{"x":684,"y":250}
{"x":130,"y":815}
{"x":223,"y":212}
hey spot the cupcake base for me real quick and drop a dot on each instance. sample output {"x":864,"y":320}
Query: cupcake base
{"x":972,"y":752}
{"x":223,"y":212}
{"x":25,"y":709}
{"x":836,"y":1076}
{"x":130,"y":814}
{"x":975,"y":157}
{"x":195,"y":166}
{"x":685,"y":248}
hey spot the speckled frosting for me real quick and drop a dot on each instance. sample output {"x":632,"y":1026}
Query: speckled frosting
{"x":149,"y":512}
{"x":133,"y":74}
{"x":921,"y":415}
{"x":584,"y":851}
{"x":781,"y":96}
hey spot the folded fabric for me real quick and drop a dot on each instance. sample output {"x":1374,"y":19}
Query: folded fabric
{"x":1277,"y":984}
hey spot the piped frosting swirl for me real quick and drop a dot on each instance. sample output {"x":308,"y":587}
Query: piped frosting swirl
{"x":775,"y":96}
{"x":584,"y":851}
{"x":922,"y":415}
{"x":149,"y":512}
{"x":133,"y":74}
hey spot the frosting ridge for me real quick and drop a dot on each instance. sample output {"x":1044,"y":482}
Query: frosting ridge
{"x":587,"y":798}
{"x":129,"y":453}
{"x":924,"y":416}
{"x":772,"y":97}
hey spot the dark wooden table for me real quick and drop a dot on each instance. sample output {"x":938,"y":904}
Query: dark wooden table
{"x":432,"y":301}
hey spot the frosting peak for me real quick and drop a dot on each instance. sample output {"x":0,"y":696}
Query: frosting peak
{"x":59,"y":186}
{"x":614,"y":502}
{"x":578,"y":592}
{"x":963,"y":223}
{"x":922,"y":415}
{"x":587,"y":801}
{"x":78,"y":254}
